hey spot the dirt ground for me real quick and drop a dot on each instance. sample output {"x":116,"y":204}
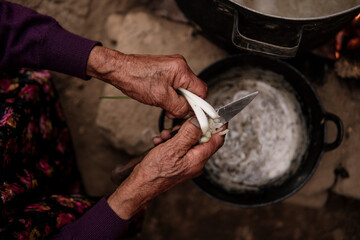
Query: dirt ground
{"x":185,"y":212}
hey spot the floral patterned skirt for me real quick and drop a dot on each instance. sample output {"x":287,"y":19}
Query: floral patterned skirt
{"x":39,"y":182}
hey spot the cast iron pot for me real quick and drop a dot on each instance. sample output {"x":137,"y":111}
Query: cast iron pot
{"x":238,"y":27}
{"x":316,"y":119}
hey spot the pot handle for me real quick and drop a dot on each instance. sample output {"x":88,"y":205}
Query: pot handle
{"x":340,"y":131}
{"x":327,"y":117}
{"x":246,"y":43}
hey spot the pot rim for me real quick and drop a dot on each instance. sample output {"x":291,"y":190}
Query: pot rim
{"x":305,"y":19}
{"x":234,"y":56}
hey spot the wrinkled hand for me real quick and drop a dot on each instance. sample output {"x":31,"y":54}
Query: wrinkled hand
{"x":149,"y":79}
{"x":171,"y":162}
{"x":164,"y":135}
{"x":349,"y":38}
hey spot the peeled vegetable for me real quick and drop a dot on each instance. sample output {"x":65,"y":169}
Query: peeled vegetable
{"x":200,"y":107}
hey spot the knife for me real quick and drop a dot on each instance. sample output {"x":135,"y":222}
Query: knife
{"x":227,"y":112}
{"x":230,"y":110}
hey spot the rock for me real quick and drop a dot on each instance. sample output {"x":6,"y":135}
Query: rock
{"x":312,"y":201}
{"x":348,"y":181}
{"x":337,"y":98}
{"x":28,"y":3}
{"x":80,"y":8}
{"x":315,"y":191}
{"x":83,"y":17}
{"x":139,"y":32}
{"x":340,"y":98}
{"x":343,"y":98}
{"x":112,"y":31}
{"x":349,"y":186}
{"x":168,"y":9}
{"x":338,"y":234}
{"x":128,"y":124}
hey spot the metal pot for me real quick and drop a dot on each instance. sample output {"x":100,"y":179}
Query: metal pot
{"x":316,"y":119}
{"x":236,"y":26}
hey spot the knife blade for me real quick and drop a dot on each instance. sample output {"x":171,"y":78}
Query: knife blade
{"x":230,"y":110}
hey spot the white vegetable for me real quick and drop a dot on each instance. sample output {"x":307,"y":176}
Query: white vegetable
{"x":200,"y":115}
{"x":208,"y":126}
{"x":204,"y":139}
{"x":224,"y":132}
{"x":206,"y":107}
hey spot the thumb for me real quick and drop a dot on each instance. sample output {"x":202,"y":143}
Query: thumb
{"x":188,"y":135}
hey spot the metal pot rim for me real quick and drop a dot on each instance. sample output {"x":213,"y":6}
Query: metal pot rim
{"x":199,"y":182}
{"x":305,"y":19}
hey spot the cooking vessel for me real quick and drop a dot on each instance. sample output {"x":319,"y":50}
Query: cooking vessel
{"x":315,"y":117}
{"x":236,"y":26}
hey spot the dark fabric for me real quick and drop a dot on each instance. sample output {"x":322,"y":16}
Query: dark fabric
{"x":39,"y":181}
{"x":36,"y":160}
{"x":108,"y":225}
{"x":29,"y":39}
{"x":35,"y":144}
{"x":41,"y":217}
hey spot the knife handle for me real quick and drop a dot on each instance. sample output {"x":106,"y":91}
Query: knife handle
{"x":120,"y":173}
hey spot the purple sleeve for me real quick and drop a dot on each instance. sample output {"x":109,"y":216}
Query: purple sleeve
{"x":100,"y":222}
{"x":29,"y":39}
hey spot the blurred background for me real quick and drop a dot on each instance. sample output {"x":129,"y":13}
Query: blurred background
{"x":109,"y":132}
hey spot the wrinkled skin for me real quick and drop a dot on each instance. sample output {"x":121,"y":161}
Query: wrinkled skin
{"x":169,"y":163}
{"x":150,"y":79}
{"x":153,"y":80}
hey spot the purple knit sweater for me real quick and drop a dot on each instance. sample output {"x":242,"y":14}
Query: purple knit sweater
{"x":28,"y":39}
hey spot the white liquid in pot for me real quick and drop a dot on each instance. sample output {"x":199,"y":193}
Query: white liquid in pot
{"x":299,"y":8}
{"x":266,"y":140}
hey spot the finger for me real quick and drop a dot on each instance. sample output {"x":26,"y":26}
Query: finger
{"x":177,"y":105}
{"x":169,"y":115}
{"x":188,"y":80}
{"x":205,"y":150}
{"x":165,"y":134}
{"x":197,"y":86}
{"x":188,"y":136}
{"x":157,"y":140}
{"x":202,"y":152}
{"x":194,"y":84}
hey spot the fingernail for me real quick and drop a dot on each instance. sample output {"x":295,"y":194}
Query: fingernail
{"x":195,"y":122}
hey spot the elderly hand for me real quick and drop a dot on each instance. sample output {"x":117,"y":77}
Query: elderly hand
{"x":149,"y":79}
{"x":171,"y":162}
